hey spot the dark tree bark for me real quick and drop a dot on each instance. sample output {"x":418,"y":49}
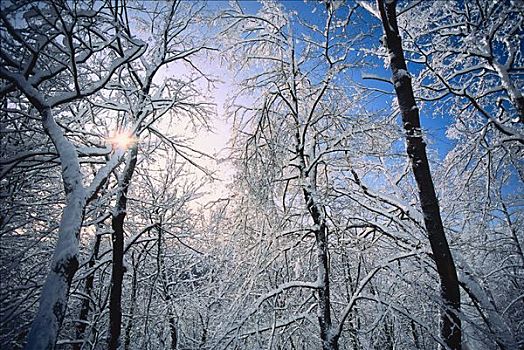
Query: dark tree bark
{"x":327,"y":336}
{"x":308,"y":178}
{"x":117,"y":273}
{"x":173,"y":332}
{"x":519,"y":105}
{"x":329,"y":342}
{"x":85,"y":308}
{"x":450,"y":328}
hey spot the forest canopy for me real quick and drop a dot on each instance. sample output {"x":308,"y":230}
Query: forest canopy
{"x":319,"y":174}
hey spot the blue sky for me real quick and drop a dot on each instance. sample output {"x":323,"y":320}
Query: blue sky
{"x":434,"y":125}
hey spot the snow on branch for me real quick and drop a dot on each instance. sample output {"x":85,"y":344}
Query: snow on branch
{"x":362,"y":284}
{"x":280,"y":289}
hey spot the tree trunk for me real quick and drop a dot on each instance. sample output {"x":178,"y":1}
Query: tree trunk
{"x":55,"y":292}
{"x":64,"y":264}
{"x":86,"y":302}
{"x":117,"y":272}
{"x":324,"y":300}
{"x":519,"y":104}
{"x":173,"y":332}
{"x":329,"y":341}
{"x":450,"y":328}
{"x":117,"y":276}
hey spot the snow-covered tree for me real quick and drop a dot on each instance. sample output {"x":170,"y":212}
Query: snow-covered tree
{"x":48,"y":53}
{"x":302,"y":136}
{"x":468,"y":72}
{"x":108,"y":238}
{"x":415,"y":149}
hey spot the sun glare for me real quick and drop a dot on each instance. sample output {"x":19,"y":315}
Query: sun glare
{"x":122,"y":140}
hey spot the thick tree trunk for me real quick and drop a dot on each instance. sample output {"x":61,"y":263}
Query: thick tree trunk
{"x":117,"y":272}
{"x":55,"y":293}
{"x":85,"y":308}
{"x":416,"y":149}
{"x":117,"y":276}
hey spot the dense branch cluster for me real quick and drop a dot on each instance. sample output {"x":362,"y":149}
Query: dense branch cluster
{"x":357,"y":207}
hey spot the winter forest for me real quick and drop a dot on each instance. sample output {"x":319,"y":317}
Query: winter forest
{"x":319,"y":174}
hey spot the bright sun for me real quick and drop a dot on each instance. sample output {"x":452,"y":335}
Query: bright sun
{"x":122,"y":140}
